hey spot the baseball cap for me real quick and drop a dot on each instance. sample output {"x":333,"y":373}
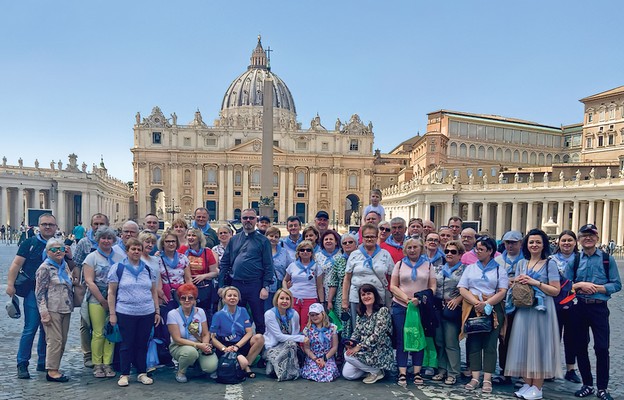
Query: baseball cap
{"x":322,"y":214}
{"x":13,"y":309}
{"x":316,"y":308}
{"x":512,"y":236}
{"x":264,"y":218}
{"x":589,"y":228}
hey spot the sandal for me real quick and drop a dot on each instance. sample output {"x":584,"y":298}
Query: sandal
{"x":470,"y":386}
{"x":486,"y":387}
{"x":109,"y":371}
{"x":584,"y":391}
{"x":250,"y":374}
{"x":98,"y":371}
{"x":402,"y":381}
{"x":418,"y":380}
{"x":438,"y":377}
{"x":450,"y":380}
{"x":144,"y":379}
{"x":123,"y":380}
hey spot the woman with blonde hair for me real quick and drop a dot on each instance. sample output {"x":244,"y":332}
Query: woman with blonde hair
{"x":281,"y":337}
{"x":180,"y":227}
{"x":320,"y":346}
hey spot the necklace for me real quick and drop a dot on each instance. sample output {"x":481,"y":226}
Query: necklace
{"x":535,"y":265}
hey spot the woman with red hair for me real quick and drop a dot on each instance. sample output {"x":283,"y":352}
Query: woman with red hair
{"x":190,"y":336}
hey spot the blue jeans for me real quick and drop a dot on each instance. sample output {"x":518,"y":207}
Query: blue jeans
{"x":32,"y":322}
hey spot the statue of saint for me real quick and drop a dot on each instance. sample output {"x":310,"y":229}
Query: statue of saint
{"x":338,"y":124}
{"x":608,"y":172}
{"x":561,"y":176}
{"x":174,"y":118}
{"x":60,"y":165}
{"x":592,"y":174}
{"x":4,"y":161}
{"x":84,"y":166}
{"x":578,"y":175}
{"x":20,"y":162}
{"x":531,"y":177}
{"x":500,"y":178}
{"x":471,"y":179}
{"x":137,"y":117}
{"x":516,"y":178}
{"x":545,"y":177}
{"x":36,"y":163}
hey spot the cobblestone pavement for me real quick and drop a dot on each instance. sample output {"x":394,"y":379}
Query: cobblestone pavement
{"x":83,"y":385}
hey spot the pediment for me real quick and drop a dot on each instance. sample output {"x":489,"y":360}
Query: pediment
{"x":252,"y":146}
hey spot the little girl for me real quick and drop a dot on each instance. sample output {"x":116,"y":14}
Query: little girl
{"x":320,"y":347}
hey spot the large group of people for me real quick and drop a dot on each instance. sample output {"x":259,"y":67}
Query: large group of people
{"x":318,"y":305}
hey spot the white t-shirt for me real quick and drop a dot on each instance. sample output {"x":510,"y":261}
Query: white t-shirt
{"x":361,"y":274}
{"x":378,"y":209}
{"x":303,"y":287}
{"x":174,"y":318}
{"x":472,"y":279}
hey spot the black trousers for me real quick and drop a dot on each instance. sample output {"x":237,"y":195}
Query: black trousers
{"x":596,"y":318}
{"x":567,"y":325}
{"x":135,"y":332}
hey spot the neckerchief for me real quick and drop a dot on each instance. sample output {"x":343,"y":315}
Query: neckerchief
{"x":512,"y":264}
{"x":204,"y":230}
{"x":62,"y":272}
{"x":535,"y":273}
{"x":305,"y":269}
{"x":322,"y":334}
{"x":330,"y":256}
{"x":122,"y":246}
{"x":565,"y":259}
{"x":491,"y":266}
{"x":292,"y":245}
{"x":186,"y":321}
{"x":278,"y":250}
{"x":368,"y":260}
{"x":94,"y":244}
{"x":171,"y":263}
{"x":233,"y":318}
{"x":438,"y":255}
{"x":193,"y":252}
{"x":134,"y":270}
{"x":108,"y":257}
{"x":284,"y":320}
{"x":317,"y":248}
{"x":391,"y":242}
{"x":415,"y":266}
{"x":448,"y":271}
{"x":44,"y":254}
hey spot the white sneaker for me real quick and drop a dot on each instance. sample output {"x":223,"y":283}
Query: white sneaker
{"x":520,"y":393}
{"x":533,"y":393}
{"x":372,"y":378}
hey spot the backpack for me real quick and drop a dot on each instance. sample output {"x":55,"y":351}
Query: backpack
{"x":229,"y":370}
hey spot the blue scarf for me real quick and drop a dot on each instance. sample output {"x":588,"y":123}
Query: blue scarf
{"x":204,"y":230}
{"x":122,"y":246}
{"x":284,"y":320}
{"x":368,"y":260}
{"x":329,"y":256}
{"x":292,"y":245}
{"x":171,"y":263}
{"x":317,"y":248}
{"x":323,"y":334}
{"x":302,"y":268}
{"x":278,"y":250}
{"x":491,"y":266}
{"x":44,"y":254}
{"x":438,"y":255}
{"x":233,"y":319}
{"x":94,"y":244}
{"x":186,"y":321}
{"x":136,"y":271}
{"x":391,"y":242}
{"x":415,"y":266}
{"x":448,"y":271}
{"x":512,"y":264}
{"x":565,"y":259}
{"x":193,"y":252}
{"x":62,"y":272}
{"x":535,"y":273}
{"x":108,"y":257}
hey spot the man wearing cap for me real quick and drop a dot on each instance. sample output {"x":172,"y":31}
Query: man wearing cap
{"x":263,"y":224}
{"x":394,"y":243}
{"x":509,"y":258}
{"x":594,"y":283}
{"x":321,"y":222}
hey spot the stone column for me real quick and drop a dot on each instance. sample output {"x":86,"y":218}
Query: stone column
{"x":500,"y":228}
{"x":142,"y":194}
{"x":199,"y":188}
{"x":515,"y":216}
{"x":92,"y":208}
{"x":544,"y":214}
{"x":60,"y":214}
{"x":246,"y":187}
{"x":221,"y":185}
{"x":290,"y":205}
{"x":174,"y":185}
{"x":425,"y":214}
{"x":470,"y":207}
{"x":485,"y":216}
{"x":606,"y":222}
{"x":560,"y":216}
{"x":20,"y":207}
{"x":591,"y":212}
{"x":582,"y":214}
{"x":337,"y":202}
{"x":530,"y":216}
{"x":229,"y":187}
{"x":3,"y":206}
{"x":313,"y":201}
{"x":576,"y":209}
{"x":282,"y":195}
{"x":620,"y":231}
{"x":448,"y":212}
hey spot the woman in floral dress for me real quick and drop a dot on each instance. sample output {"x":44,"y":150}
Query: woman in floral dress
{"x":320,"y":347}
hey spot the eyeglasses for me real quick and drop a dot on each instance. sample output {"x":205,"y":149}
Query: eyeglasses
{"x":45,"y":225}
{"x":57,"y":249}
{"x":305,"y":250}
{"x":433,"y":240}
{"x":348,"y":242}
{"x":170,"y":241}
{"x":385,"y":229}
{"x":369,"y":237}
{"x":187,"y":298}
{"x":451,"y":251}
{"x":248,"y":218}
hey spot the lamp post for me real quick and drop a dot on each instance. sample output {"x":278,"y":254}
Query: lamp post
{"x":173,"y":210}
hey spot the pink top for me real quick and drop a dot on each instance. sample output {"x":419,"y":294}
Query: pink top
{"x":407,"y":285}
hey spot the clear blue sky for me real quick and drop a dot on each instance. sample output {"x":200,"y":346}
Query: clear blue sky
{"x":74,"y":73}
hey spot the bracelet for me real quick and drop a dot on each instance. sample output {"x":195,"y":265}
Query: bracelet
{"x":223,"y":348}
{"x":540,"y":284}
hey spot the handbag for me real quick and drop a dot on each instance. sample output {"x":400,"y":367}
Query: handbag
{"x":413,"y":332}
{"x":480,"y":324}
{"x":522,"y":295}
{"x":112,"y":333}
{"x":23,"y":284}
{"x":79,"y":287}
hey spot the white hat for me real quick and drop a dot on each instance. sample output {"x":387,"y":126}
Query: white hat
{"x":316,"y":308}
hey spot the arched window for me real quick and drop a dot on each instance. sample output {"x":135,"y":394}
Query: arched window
{"x":187,"y":176}
{"x":472,"y":151}
{"x":499,"y":154}
{"x":533,"y":158}
{"x":516,"y":156}
{"x":323,"y":180}
{"x":255,"y":178}
{"x":557,"y":159}
{"x":237,"y":178}
{"x":156,"y":175}
{"x":301,"y":181}
{"x":490,"y":153}
{"x":275,"y":179}
{"x":549,"y":159}
{"x":453,"y":150}
{"x":540,"y":159}
{"x":525,"y":157}
{"x":211,"y":176}
{"x":463,"y":150}
{"x":353,"y":181}
{"x":481,"y":153}
{"x":507,"y":155}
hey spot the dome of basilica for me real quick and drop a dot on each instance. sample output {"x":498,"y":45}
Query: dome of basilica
{"x":248,"y":88}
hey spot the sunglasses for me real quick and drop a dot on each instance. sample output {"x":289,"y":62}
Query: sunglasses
{"x":305,"y":250}
{"x":348,"y":242}
{"x":248,"y":218}
{"x":385,"y":229}
{"x":451,"y":251}
{"x":57,"y":249}
{"x":187,"y":298}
